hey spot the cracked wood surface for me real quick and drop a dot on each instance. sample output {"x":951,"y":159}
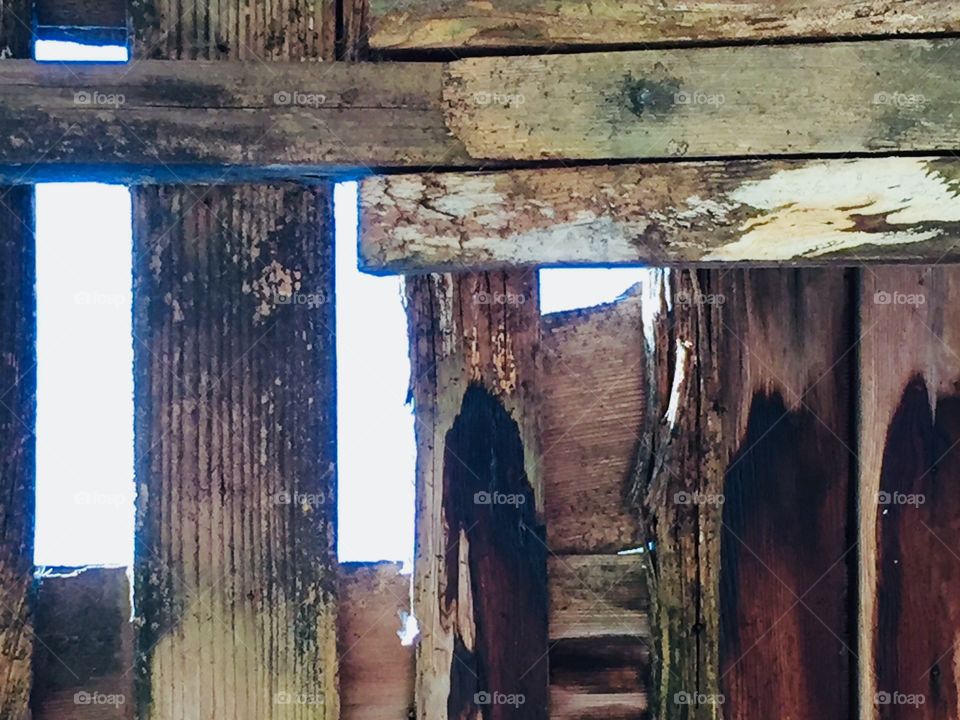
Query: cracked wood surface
{"x":890,"y":209}
{"x":304,"y":120}
{"x":548,"y":24}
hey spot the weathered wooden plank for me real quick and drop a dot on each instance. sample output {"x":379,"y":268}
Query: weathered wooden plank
{"x":83,"y":664}
{"x":902,"y":209}
{"x":235,"y":433}
{"x":480,"y":591}
{"x":909,"y":570}
{"x":298,"y":120}
{"x":593,"y":391}
{"x":18,"y":382}
{"x":599,"y":637}
{"x":437,"y":24}
{"x":81,"y":13}
{"x":744,"y":486}
{"x":214,"y":120}
{"x":376,"y":671}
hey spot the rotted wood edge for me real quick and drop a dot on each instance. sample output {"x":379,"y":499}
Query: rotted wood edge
{"x":803,"y":212}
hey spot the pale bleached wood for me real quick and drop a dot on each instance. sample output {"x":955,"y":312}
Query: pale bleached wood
{"x":887,"y":209}
{"x":435,"y":24}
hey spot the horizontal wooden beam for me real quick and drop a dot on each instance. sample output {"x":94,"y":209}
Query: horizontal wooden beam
{"x":457,"y":24}
{"x":875,"y":209}
{"x":224,"y":120}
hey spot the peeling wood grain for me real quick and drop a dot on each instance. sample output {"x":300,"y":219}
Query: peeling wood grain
{"x":547,"y":24}
{"x":376,"y":671}
{"x":743,"y":486}
{"x":903,"y":209}
{"x":84,"y":657}
{"x":909,"y":572}
{"x":235,"y":431}
{"x":475,"y":335}
{"x":18,"y":382}
{"x":592,"y":418}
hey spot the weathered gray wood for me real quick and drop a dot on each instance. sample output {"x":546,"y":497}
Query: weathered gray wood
{"x":434,"y":24}
{"x":300,"y":120}
{"x":167,"y":120}
{"x":903,"y":209}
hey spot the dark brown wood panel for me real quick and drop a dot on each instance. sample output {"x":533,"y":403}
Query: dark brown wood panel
{"x":82,"y":13}
{"x":910,"y":409}
{"x":83,"y":665}
{"x":480,"y":592}
{"x":745,"y":491}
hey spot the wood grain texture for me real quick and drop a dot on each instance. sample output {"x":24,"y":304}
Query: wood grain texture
{"x":909,"y":571}
{"x":81,"y":13}
{"x":376,"y":671}
{"x":546,"y":24}
{"x":895,"y":209}
{"x":599,"y":637}
{"x":744,"y":487}
{"x":15,"y":23}
{"x":865,"y":97}
{"x":84,"y":656}
{"x":212,"y":120}
{"x":18,"y":383}
{"x":480,"y":593}
{"x":593,"y":391}
{"x":297,"y":30}
{"x":235,"y":431}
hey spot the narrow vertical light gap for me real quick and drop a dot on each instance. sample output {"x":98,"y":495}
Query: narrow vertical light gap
{"x":85,"y":490}
{"x":84,"y":375}
{"x":376,"y":442}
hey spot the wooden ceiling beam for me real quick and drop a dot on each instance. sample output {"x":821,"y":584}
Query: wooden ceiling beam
{"x":224,"y":120}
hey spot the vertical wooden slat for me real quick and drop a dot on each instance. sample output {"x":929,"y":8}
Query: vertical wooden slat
{"x":17,"y":409}
{"x":909,"y":462}
{"x":480,"y":591}
{"x":236,"y":565}
{"x":744,"y":487}
{"x":236,"y":576}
